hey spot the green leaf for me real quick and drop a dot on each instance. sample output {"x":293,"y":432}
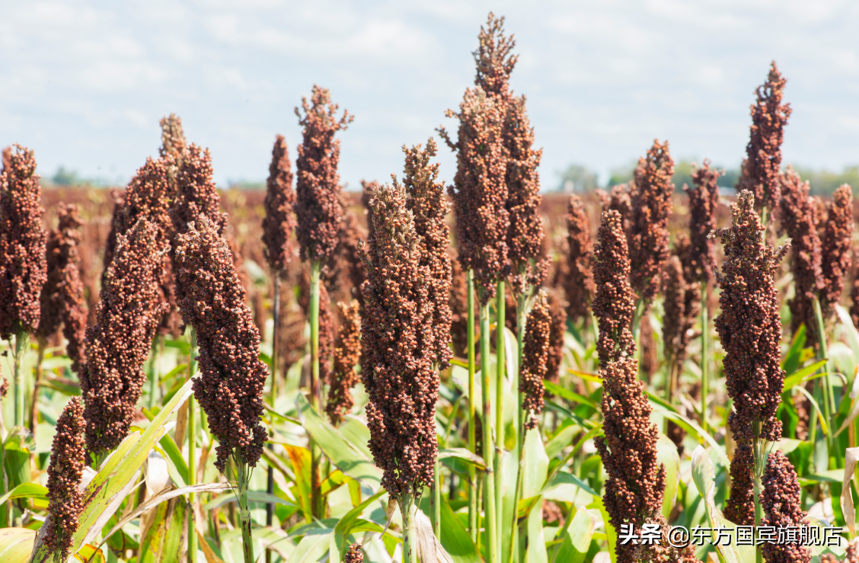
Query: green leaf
{"x":25,"y":490}
{"x":16,"y":544}
{"x":577,"y":538}
{"x":313,"y":546}
{"x":342,"y":454}
{"x":175,"y":454}
{"x":691,"y":427}
{"x":610,"y":532}
{"x":666,"y":454}
{"x":800,"y":376}
{"x":454,"y":537}
{"x":344,"y":526}
{"x":556,"y":389}
{"x":464,"y":455}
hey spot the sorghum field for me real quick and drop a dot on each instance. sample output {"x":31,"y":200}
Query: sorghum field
{"x":455,"y":370}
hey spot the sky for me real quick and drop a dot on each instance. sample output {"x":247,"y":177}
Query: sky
{"x":85,"y":82}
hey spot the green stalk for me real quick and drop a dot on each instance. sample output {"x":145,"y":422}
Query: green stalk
{"x":705,"y":360}
{"x":435,"y":502}
{"x":22,"y":338}
{"x":473,"y":511}
{"x":500,"y":362}
{"x":410,"y":544}
{"x":489,"y":516}
{"x":34,"y":402}
{"x":6,"y":510}
{"x":826,"y":383}
{"x":521,"y":316}
{"x":269,"y":508}
{"x":243,"y":473}
{"x":153,"y":371}
{"x":315,"y":476}
{"x":192,"y":455}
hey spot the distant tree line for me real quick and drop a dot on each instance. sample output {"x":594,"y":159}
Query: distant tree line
{"x":579,"y":178}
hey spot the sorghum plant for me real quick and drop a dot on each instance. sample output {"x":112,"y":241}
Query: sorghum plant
{"x":578,"y":281}
{"x":636,"y":481}
{"x":318,"y":211}
{"x":23,"y":267}
{"x":650,"y":199}
{"x":750,"y":330}
{"x":400,"y":374}
{"x":118,"y":344}
{"x":761,"y":167}
{"x":836,"y":246}
{"x":62,"y":299}
{"x":232,"y":378}
{"x":782,"y":507}
{"x":279,"y":220}
{"x":534,"y":360}
{"x":65,"y":499}
{"x":347,"y":352}
{"x":799,"y":220}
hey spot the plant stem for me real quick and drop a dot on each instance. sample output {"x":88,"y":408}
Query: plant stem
{"x":192,"y":455}
{"x":500,"y":363}
{"x":828,"y":392}
{"x":34,"y":403}
{"x":410,"y":544}
{"x":153,"y":371}
{"x":435,"y":501}
{"x":315,"y":475}
{"x":472,"y":414}
{"x":269,"y":508}
{"x":489,"y":516}
{"x":242,"y":470}
{"x":705,"y":352}
{"x":22,"y":338}
{"x":521,"y":316}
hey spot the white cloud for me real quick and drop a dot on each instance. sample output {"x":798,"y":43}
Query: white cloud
{"x":85,"y":82}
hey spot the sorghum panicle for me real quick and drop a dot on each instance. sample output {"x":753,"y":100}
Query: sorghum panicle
{"x":799,"y":221}
{"x":761,"y":168}
{"x":366,"y":195}
{"x":836,"y":246}
{"x":557,"y":329}
{"x":399,"y":373}
{"x":740,"y":506}
{"x":23,"y":268}
{"x":680,"y":306}
{"x":619,"y":200}
{"x":614,"y":301}
{"x":119,"y":342}
{"x":479,"y":190}
{"x":196,"y":194}
{"x":648,"y":230}
{"x":703,"y":201}
{"x":854,"y":291}
{"x":534,"y":356}
{"x":62,"y":299}
{"x":65,"y":470}
{"x":347,"y":352}
{"x":279,"y":221}
{"x":429,"y":208}
{"x":525,"y":235}
{"x":172,"y":138}
{"x":578,"y":280}
{"x":749,"y":324}
{"x":494,"y":58}
{"x":782,"y":504}
{"x":232,"y":377}
{"x":317,"y":186}
{"x":355,"y":554}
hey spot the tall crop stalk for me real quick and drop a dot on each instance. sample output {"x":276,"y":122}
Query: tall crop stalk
{"x":192,"y":455}
{"x":410,"y":544}
{"x":315,"y":476}
{"x":243,"y":475}
{"x":22,"y":339}
{"x":489,"y":516}
{"x":473,"y":509}
{"x":705,"y":359}
{"x":826,"y":383}
{"x":269,"y":508}
{"x":500,"y":363}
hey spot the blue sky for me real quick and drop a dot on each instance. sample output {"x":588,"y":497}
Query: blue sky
{"x":85,"y":82}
